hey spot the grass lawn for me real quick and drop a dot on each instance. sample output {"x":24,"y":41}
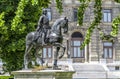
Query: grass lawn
{"x":6,"y":77}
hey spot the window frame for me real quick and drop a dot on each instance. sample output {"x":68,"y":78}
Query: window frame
{"x":108,"y":53}
{"x":82,"y":54}
{"x":75,"y":17}
{"x":107,"y":15}
{"x":47,"y":51}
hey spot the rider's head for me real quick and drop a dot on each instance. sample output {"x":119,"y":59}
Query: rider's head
{"x":44,"y":11}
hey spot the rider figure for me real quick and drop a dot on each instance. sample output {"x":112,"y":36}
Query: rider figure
{"x":43,"y":25}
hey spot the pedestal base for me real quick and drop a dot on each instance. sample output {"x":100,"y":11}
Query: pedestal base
{"x":43,"y":74}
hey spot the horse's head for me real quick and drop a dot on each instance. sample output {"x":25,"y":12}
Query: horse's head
{"x":65,"y":25}
{"x":60,"y":23}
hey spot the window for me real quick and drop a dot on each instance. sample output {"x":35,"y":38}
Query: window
{"x":47,"y":52}
{"x":75,"y":14}
{"x":49,"y":14}
{"x":117,"y":68}
{"x":107,"y":15}
{"x":76,"y":42}
{"x":107,"y":50}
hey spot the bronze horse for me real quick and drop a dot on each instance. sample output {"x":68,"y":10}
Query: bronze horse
{"x":55,"y":38}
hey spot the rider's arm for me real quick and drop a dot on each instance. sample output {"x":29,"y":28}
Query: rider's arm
{"x":40,"y":23}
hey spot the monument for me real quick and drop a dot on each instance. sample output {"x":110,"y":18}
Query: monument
{"x":45,"y":35}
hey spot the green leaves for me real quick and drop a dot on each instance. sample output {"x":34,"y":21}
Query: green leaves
{"x":1,"y":19}
{"x":34,"y":2}
{"x":3,"y":28}
{"x":84,"y":4}
{"x":41,"y":3}
{"x":97,"y":19}
{"x":16,"y":45}
{"x":115,"y":25}
{"x":59,"y":6}
{"x":118,"y":1}
{"x":19,"y":13}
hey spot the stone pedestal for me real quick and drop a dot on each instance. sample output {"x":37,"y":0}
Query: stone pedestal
{"x":43,"y":74}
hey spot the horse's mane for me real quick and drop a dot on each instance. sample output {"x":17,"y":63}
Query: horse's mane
{"x":57,"y":22}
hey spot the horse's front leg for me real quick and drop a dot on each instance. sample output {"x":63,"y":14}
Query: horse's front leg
{"x":63,"y":48}
{"x":55,"y":57}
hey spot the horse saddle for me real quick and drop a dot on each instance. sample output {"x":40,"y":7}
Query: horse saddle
{"x":53,"y":37}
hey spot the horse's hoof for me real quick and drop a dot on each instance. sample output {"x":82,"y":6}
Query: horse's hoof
{"x":60,"y":56}
{"x":24,"y":68}
{"x":55,"y":66}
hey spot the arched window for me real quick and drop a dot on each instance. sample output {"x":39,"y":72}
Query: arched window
{"x":76,"y":41}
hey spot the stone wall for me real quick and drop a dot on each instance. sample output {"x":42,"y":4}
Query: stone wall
{"x":95,"y":47}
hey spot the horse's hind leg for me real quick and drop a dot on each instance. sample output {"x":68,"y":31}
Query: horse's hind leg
{"x":27,"y":56}
{"x":38,"y":55}
{"x":64,"y":48}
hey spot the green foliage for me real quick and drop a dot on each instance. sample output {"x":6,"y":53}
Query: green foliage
{"x":117,"y":1}
{"x":1,"y":19}
{"x":59,"y":6}
{"x":98,"y":17}
{"x":108,"y":38}
{"x":5,"y":77}
{"x":3,"y":28}
{"x":19,"y":13}
{"x":34,"y":2}
{"x":115,"y":24}
{"x":84,"y":4}
{"x":41,"y":3}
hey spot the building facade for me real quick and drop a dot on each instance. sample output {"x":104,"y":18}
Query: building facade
{"x":98,"y":50}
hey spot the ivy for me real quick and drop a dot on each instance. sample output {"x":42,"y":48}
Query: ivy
{"x":115,"y":24}
{"x":81,"y":11}
{"x":114,"y":32}
{"x":97,"y":19}
{"x":59,"y":6}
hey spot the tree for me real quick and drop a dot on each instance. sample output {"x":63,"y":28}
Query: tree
{"x":18,"y":17}
{"x":15,"y":23}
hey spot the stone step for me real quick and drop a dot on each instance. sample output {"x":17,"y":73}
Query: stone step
{"x":89,"y":68}
{"x":89,"y":71}
{"x":89,"y":75}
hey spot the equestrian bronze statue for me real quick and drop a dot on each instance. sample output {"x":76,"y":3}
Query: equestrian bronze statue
{"x":54,"y":37}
